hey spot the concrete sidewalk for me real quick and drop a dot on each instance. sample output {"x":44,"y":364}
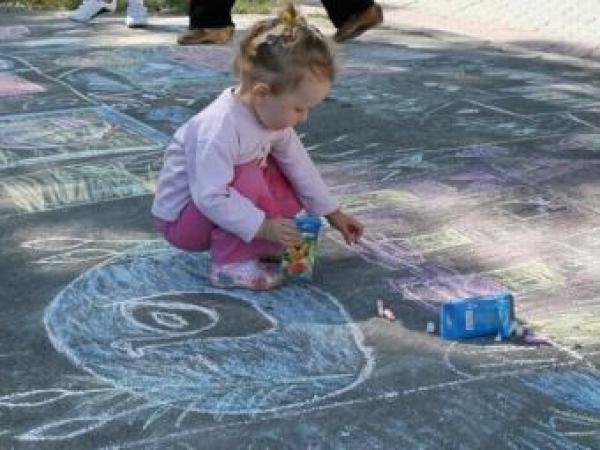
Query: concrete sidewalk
{"x":570,"y":27}
{"x":578,"y":19}
{"x":565,"y":26}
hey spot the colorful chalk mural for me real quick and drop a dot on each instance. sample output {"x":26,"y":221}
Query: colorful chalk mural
{"x":473,"y":169}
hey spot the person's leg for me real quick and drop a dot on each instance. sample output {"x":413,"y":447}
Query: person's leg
{"x":352,"y":17}
{"x":210,"y":13}
{"x":137,"y":15}
{"x":191,"y":231}
{"x":210,"y":22}
{"x":270,"y":191}
{"x":240,"y":264}
{"x":339,"y":11}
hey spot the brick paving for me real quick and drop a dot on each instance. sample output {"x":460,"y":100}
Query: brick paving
{"x":576,"y":18}
{"x":563,"y":26}
{"x":570,"y":27}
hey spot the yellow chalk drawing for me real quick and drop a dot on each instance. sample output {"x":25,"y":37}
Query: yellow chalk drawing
{"x":379,"y":197}
{"x":528,"y":277}
{"x":570,"y":327}
{"x":434,"y":242}
{"x":87,"y":129}
{"x":75,"y":185}
{"x":7,"y":158}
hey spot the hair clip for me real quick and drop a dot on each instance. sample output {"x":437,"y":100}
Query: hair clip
{"x":274,"y":40}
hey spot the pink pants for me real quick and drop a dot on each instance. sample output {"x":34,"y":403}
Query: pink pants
{"x":267,"y":188}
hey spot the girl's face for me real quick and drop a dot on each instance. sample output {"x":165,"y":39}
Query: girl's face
{"x":287,"y":109}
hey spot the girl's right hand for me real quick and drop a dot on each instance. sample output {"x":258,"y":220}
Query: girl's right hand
{"x":280,"y":230}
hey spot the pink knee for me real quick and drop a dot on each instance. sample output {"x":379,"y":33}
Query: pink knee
{"x":249,"y":180}
{"x":267,"y":188}
{"x":270,"y":191}
{"x":190,"y":231}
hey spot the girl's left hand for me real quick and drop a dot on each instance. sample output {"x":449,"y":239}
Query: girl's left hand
{"x":350,"y":228}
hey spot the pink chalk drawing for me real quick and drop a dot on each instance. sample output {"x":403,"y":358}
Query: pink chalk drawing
{"x":357,"y":68}
{"x":15,"y":85}
{"x":433,"y":191}
{"x":383,"y":312}
{"x":68,"y":123}
{"x":215,"y":58}
{"x":388,"y":253}
{"x":13,"y":32}
{"x":540,"y":170}
{"x":482,"y":151}
{"x":435,"y":286}
{"x":475,"y":176}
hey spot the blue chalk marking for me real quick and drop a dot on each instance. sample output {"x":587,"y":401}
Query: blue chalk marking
{"x":578,"y":388}
{"x":310,"y":352}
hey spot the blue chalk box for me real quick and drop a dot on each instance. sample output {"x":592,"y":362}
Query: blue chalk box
{"x":477,"y":316}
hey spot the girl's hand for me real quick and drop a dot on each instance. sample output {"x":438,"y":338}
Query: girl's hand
{"x":280,"y":230}
{"x":350,"y":228}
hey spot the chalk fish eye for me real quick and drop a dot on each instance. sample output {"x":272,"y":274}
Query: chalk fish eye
{"x":168,"y":319}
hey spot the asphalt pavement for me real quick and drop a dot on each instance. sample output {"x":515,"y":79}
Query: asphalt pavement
{"x":474,"y":167}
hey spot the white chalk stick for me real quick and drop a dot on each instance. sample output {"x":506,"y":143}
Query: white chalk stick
{"x":431,"y":327}
{"x":380,"y":308}
{"x":389,"y":314}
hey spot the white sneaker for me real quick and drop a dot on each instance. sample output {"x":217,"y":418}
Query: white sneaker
{"x":136,"y":14}
{"x":92,"y":8}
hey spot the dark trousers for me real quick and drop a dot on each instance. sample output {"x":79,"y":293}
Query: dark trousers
{"x":217,"y":13}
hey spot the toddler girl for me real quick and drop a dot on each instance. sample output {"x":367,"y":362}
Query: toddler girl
{"x":236,"y":173}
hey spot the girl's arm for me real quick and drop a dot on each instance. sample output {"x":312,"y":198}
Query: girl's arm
{"x":310,"y":188}
{"x":295,"y":163}
{"x":350,"y":228}
{"x":211,"y":171}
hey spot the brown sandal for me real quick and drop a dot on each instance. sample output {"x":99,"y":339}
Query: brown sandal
{"x":359,"y":23}
{"x":205,"y":36}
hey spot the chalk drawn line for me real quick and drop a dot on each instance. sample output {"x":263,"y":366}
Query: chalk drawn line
{"x":49,"y":78}
{"x":386,"y":396}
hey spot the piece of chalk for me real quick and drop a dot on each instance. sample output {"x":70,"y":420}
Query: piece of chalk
{"x":389,"y":314}
{"x":431,"y":327}
{"x":380,"y":308}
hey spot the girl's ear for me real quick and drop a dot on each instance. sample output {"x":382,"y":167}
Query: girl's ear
{"x":261,"y":90}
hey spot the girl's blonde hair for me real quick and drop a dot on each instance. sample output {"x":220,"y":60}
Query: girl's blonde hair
{"x":278,"y":51}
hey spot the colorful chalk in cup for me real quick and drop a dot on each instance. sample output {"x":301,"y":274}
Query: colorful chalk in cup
{"x":299,"y":258}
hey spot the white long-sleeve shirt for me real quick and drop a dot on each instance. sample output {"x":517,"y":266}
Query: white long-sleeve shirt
{"x":199,"y":166}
